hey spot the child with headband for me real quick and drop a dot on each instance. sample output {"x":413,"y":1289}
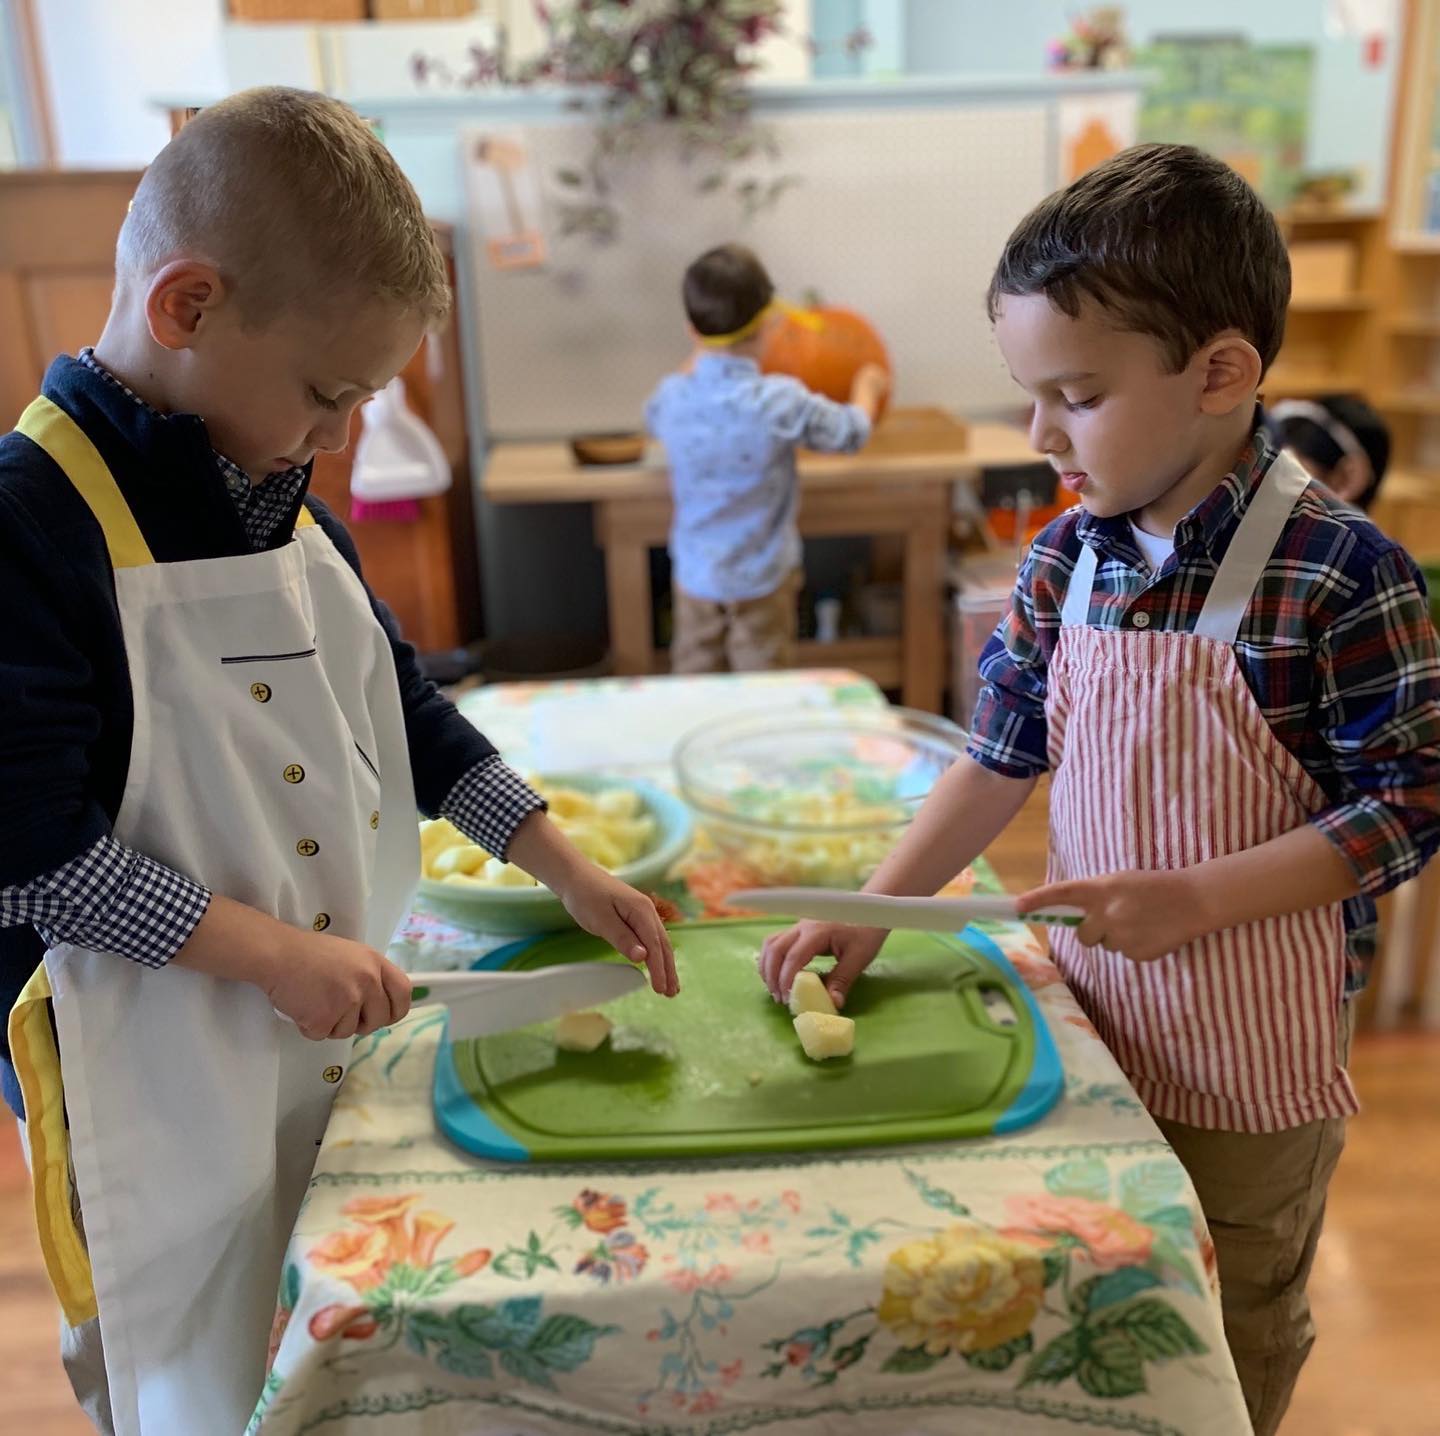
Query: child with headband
{"x":1339,"y":439}
{"x":730,"y":435}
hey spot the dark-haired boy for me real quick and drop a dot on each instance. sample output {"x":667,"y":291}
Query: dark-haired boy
{"x":1234,"y":682}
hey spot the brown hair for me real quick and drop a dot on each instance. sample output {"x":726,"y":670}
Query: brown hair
{"x":1167,"y":241}
{"x":725,"y":289}
{"x":295,"y":200}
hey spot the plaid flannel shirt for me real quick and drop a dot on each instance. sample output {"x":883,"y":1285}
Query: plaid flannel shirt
{"x":1336,"y":646}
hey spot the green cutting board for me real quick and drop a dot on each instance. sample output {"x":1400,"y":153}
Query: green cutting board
{"x":948,"y":1044}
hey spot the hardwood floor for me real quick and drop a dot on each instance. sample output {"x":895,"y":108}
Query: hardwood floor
{"x":1376,"y":1287}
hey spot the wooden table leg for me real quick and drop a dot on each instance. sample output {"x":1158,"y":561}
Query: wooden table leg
{"x":922,"y":619}
{"x":627,"y":585}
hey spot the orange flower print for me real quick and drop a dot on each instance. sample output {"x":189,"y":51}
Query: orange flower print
{"x":1034,"y":970}
{"x":360,"y":1256}
{"x":1113,"y":1238}
{"x":377,"y":1211}
{"x":598,"y":1212}
{"x":388,"y":1214}
{"x":353,"y":1322}
{"x":472,"y":1261}
{"x":277,"y":1335}
{"x":426,"y":1232}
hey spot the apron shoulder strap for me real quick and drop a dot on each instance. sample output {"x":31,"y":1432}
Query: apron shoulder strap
{"x":1075,"y":612}
{"x":48,"y":425}
{"x":1250,"y":549}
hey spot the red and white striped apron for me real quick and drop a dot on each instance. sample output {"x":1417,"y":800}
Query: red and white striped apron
{"x":1161,"y":759}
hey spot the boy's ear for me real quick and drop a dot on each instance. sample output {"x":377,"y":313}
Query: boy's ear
{"x":181,"y":297}
{"x":1230,"y":371}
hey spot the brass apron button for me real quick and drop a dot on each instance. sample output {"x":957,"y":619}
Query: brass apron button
{"x":260,"y":692}
{"x":322,"y":921}
{"x":307,"y":847}
{"x":294,"y":774}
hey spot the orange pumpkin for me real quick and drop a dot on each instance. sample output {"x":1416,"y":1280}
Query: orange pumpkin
{"x":825,"y":347}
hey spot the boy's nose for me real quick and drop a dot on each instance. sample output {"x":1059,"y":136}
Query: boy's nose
{"x":1045,"y":436}
{"x":331,"y":436}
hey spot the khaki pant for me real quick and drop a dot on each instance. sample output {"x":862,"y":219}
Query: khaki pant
{"x":1264,"y":1199}
{"x":81,"y":1351}
{"x":755,"y":633}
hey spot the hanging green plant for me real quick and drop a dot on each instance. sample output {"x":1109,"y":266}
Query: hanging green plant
{"x":637,"y":66}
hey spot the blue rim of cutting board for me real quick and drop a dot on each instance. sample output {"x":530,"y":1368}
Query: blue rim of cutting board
{"x":1039,"y":1093}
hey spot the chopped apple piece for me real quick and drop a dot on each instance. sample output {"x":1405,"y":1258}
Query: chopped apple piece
{"x":808,"y":994}
{"x":581,"y":1031}
{"x":824,"y":1035}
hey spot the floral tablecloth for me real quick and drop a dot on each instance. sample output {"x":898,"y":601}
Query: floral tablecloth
{"x":1056,"y":1278}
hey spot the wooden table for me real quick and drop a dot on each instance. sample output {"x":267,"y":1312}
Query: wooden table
{"x":898,"y":485}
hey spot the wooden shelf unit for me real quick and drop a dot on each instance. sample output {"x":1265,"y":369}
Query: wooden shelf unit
{"x":1330,"y":339}
{"x":1407,"y":361}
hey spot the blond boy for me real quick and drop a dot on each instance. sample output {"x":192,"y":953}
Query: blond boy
{"x":213,"y":748}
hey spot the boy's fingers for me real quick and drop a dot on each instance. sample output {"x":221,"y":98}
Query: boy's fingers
{"x":1069,"y":894}
{"x":374,"y":1014}
{"x":347,"y":1026}
{"x":398,"y":987}
{"x":661,"y":955}
{"x":774,"y":955}
{"x":842,"y":978}
{"x":622,"y":931}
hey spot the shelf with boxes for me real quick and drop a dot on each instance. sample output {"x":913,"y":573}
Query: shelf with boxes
{"x":1334,"y":306}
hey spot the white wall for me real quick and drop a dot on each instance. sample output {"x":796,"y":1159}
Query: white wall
{"x":105,"y":59}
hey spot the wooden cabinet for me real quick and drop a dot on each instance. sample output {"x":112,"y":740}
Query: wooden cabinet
{"x":57,"y":265}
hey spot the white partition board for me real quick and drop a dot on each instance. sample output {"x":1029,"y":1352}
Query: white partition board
{"x":900,"y":213}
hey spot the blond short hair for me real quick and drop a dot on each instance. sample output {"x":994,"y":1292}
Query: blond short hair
{"x":295,"y":200}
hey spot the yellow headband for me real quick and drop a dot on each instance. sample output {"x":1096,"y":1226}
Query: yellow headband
{"x":805,"y":317}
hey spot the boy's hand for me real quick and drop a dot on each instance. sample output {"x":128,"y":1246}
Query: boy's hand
{"x":624,"y":918}
{"x":600,"y":903}
{"x":870,"y":387}
{"x":1141,"y":915}
{"x":327,"y":986}
{"x":786,"y":953}
{"x":332,"y":987}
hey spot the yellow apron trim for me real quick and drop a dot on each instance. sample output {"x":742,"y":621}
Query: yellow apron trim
{"x":37,"y":1065}
{"x":806,"y":318}
{"x":67,"y":443}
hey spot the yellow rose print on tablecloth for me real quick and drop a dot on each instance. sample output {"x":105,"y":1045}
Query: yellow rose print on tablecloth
{"x":964,"y":1289}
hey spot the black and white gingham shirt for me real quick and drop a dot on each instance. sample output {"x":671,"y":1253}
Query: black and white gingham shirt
{"x":114,"y":899}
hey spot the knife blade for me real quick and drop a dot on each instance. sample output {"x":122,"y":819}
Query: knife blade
{"x":484,"y":1003}
{"x":875,"y":910}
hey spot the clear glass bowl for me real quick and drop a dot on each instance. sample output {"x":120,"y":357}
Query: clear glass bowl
{"x":813,"y":797}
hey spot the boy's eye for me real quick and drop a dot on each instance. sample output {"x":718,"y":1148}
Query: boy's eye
{"x":1076,"y":405}
{"x":321,"y":401}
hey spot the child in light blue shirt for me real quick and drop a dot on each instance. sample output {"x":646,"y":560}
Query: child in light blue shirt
{"x":730,"y":435}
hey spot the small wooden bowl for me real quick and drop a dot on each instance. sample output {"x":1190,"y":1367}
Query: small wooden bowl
{"x":608,"y":448}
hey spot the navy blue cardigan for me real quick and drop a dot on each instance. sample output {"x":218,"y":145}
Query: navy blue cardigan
{"x":65,"y":701}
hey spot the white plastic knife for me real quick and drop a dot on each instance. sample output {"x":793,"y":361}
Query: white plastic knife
{"x":874,"y":910}
{"x":482,"y":1003}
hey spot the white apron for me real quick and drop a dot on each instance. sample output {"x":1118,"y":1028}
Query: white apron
{"x":1163,"y":759}
{"x":269,"y":762}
